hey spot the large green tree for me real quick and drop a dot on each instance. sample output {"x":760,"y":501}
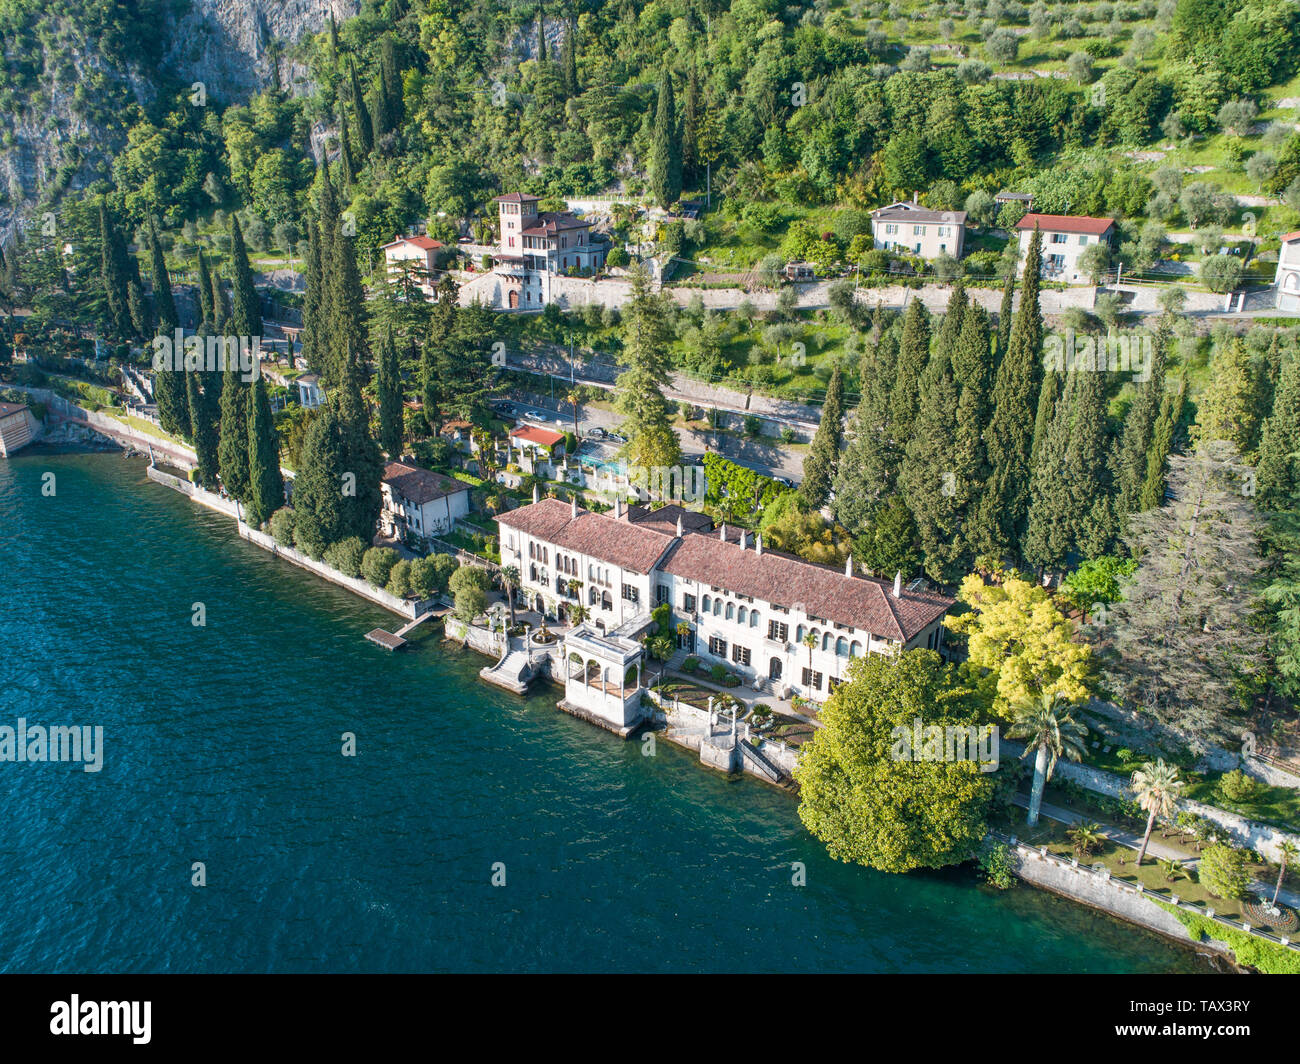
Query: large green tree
{"x":822,"y":459}
{"x":860,"y":792}
{"x":666,"y":148}
{"x":639,"y":390}
{"x":265,"y":482}
{"x":388,"y":389}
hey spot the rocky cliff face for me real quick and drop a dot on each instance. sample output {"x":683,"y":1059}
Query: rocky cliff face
{"x":66,"y":117}
{"x":234,"y":46}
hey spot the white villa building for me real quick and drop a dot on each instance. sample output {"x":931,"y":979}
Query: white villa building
{"x":907,"y":226}
{"x":1287,"y":278}
{"x":420,"y":501}
{"x":1065,"y":238}
{"x":747,"y":608}
{"x":418,"y":254}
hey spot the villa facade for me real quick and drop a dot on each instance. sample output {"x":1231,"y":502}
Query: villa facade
{"x":536,"y":246}
{"x":747,"y":608}
{"x":1065,"y":239}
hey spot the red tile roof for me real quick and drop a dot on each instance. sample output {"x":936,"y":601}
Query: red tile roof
{"x":539,"y":436}
{"x":424,"y":243}
{"x":516,"y":197}
{"x":860,"y":602}
{"x":11,"y":408}
{"x":598,"y":536}
{"x":1066,"y":223}
{"x":554,"y":222}
{"x":1287,"y":237}
{"x":418,"y":484}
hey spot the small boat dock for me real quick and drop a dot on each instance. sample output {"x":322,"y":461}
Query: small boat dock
{"x":397,"y":640}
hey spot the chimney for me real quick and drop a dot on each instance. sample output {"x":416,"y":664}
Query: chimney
{"x":898,"y":585}
{"x":679,"y":526}
{"x":573,"y":506}
{"x":722,"y":533}
{"x":848,"y":566}
{"x":916,"y":197}
{"x":536,"y":496}
{"x":618,"y":508}
{"x":758,"y":543}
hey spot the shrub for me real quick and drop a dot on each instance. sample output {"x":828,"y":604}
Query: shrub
{"x":690,"y":664}
{"x":752,"y":425}
{"x":282,"y":526}
{"x":377,"y":564}
{"x":1236,"y":786}
{"x":998,"y":866}
{"x":1223,"y":872}
{"x":399,"y":579}
{"x":424,"y":577}
{"x":718,"y":672}
{"x":346,"y":555}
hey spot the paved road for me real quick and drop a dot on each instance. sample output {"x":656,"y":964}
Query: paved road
{"x":767,"y":456}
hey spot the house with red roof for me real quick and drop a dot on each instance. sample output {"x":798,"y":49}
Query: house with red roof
{"x":753,"y":610}
{"x":1287,"y":277}
{"x":419,"y":502}
{"x":416,"y":255}
{"x":1065,"y":239}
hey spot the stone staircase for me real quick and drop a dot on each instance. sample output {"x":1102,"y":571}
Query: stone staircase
{"x":512,"y":672}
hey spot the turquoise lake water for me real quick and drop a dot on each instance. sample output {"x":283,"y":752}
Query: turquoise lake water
{"x":222,"y":745}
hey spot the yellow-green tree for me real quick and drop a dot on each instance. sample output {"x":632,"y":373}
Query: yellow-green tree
{"x":1021,"y":644}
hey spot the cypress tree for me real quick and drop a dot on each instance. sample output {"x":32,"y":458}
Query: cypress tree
{"x":388,"y":385}
{"x":1015,"y":401}
{"x":1140,"y":423}
{"x":365,"y":129}
{"x":913,"y":355}
{"x":164,"y":304}
{"x":639,"y":390}
{"x":391,"y":80}
{"x":232,"y":447}
{"x":541,"y":34}
{"x":318,"y":486}
{"x":945,"y":337}
{"x":822,"y":459}
{"x":1162,"y":445}
{"x":246,"y":308}
{"x":973,"y":371}
{"x":220,"y":306}
{"x":927,"y":478}
{"x":1278,"y":472}
{"x":1004,"y":314}
{"x":1227,"y":408}
{"x":1047,"y":533}
{"x":665,"y":151}
{"x":115,"y":272}
{"x":203,"y":433}
{"x":329,"y":218}
{"x":359,"y":455}
{"x":205,"y":294}
{"x":349,"y":174}
{"x":1091,"y":520}
{"x":345,"y":310}
{"x":690,"y":126}
{"x":265,"y":483}
{"x":869,"y":465}
{"x":312,"y":326}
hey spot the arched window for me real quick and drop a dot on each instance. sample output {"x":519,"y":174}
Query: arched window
{"x":708,"y":600}
{"x":753,"y":618}
{"x":826,"y":641}
{"x":532,"y":573}
{"x":799,"y":634}
{"x":841,"y":647}
{"x":731,"y":611}
{"x":717,"y":607}
{"x":742,"y":614}
{"x":855,"y":649}
{"x":591,"y":596}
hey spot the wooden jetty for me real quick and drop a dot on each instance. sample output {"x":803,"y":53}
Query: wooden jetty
{"x":397,"y":640}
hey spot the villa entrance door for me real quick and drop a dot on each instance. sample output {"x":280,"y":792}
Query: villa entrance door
{"x":774,"y":669}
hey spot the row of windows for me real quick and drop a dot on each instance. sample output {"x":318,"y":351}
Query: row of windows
{"x":891,"y":229}
{"x":537,"y":552}
{"x":719,"y":608}
{"x":827,"y":641}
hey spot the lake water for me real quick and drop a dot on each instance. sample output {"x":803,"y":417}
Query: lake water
{"x":222,"y":745}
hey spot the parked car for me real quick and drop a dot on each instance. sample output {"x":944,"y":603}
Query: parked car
{"x":597,"y":433}
{"x":784,"y":480}
{"x":504,"y":407}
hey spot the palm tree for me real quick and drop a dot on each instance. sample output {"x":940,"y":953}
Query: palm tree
{"x":1051,"y":732}
{"x":1156,"y":786}
{"x":573,"y":398}
{"x":1086,"y":838}
{"x":510,"y":577}
{"x":810,"y":641}
{"x":1289,"y":853}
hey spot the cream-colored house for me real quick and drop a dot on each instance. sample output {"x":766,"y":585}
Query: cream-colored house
{"x":909,"y":227}
{"x":417,"y":254}
{"x":1065,"y":239}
